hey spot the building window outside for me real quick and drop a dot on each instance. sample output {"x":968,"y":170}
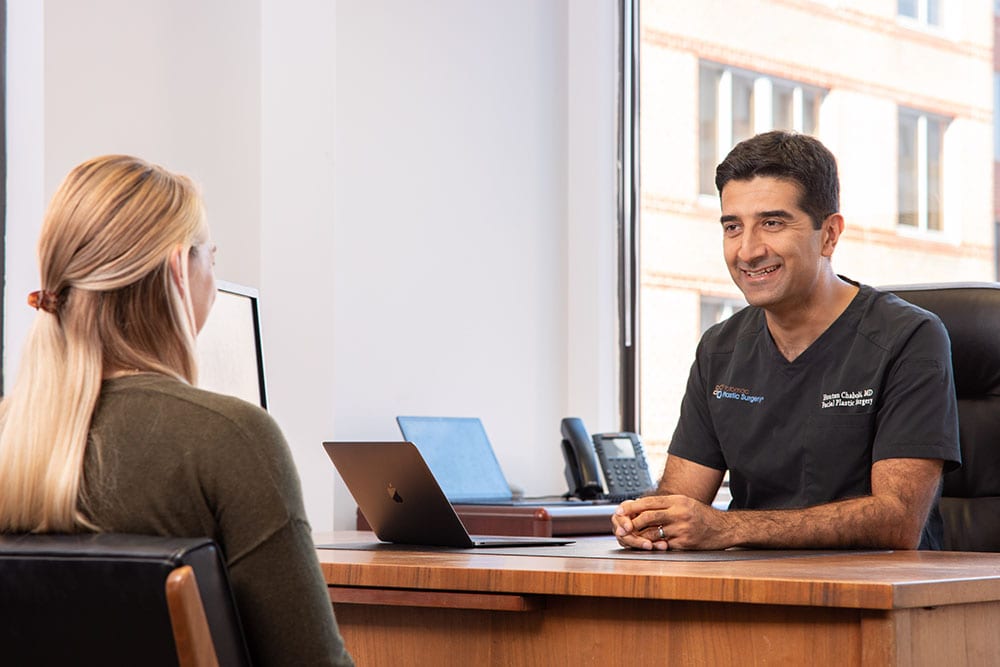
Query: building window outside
{"x":716,"y":309}
{"x":921,"y":138}
{"x":996,"y":250}
{"x":924,"y":11}
{"x":996,"y":116}
{"x":712,"y":77}
{"x":708,"y":134}
{"x":734,"y":105}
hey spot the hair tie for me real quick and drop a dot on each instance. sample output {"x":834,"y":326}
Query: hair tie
{"x":44,"y":300}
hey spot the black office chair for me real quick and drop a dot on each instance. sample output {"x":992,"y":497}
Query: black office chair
{"x":970,"y":503}
{"x":113,"y":599}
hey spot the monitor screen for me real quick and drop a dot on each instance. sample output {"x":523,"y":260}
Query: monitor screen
{"x":230,"y":354}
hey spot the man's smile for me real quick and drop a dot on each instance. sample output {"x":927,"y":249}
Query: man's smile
{"x":760,"y":273}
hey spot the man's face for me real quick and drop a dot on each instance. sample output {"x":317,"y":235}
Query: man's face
{"x":773,"y":253}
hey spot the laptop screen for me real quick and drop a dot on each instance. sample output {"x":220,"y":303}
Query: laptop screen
{"x":460,"y":455}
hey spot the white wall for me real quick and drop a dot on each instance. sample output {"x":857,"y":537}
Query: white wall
{"x":452,"y":227}
{"x":177,"y":83}
{"x":25,"y":135}
{"x":147,"y":78}
{"x":298,"y":188}
{"x":424,"y":194}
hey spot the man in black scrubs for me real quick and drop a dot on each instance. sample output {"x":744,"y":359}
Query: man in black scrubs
{"x":830,"y":403}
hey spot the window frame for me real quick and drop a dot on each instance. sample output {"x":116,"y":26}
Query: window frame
{"x":760,"y":110}
{"x":924,"y":181}
{"x":628,"y":214}
{"x":3,"y":183}
{"x":924,"y":14}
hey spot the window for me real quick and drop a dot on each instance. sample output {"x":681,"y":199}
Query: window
{"x":3,"y":173}
{"x":911,"y":139}
{"x":734,"y":105}
{"x":919,"y":188}
{"x":708,"y":135}
{"x":996,"y":117}
{"x":924,"y":11}
{"x":716,"y":309}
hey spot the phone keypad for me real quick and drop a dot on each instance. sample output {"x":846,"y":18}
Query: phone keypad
{"x":624,"y":474}
{"x":626,"y":477}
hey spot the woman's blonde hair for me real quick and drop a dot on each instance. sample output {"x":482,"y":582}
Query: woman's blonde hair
{"x":109,"y":236}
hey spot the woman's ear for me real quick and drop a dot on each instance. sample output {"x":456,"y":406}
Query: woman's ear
{"x":178,"y":267}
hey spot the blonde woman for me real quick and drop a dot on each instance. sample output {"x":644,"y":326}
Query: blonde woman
{"x":104,"y":429}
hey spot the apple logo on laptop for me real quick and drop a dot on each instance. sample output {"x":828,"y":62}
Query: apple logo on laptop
{"x":393,"y":493}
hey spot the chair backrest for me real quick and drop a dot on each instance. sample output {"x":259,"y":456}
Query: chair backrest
{"x":103,"y":599}
{"x":970,"y":503}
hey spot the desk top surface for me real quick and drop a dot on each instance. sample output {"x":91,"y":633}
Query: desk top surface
{"x":865,"y":580}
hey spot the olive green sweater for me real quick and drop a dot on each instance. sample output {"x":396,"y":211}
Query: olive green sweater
{"x":165,"y":458}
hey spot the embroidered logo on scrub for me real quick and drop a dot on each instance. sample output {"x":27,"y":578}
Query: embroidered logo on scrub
{"x":724,"y":391}
{"x":858,"y":398}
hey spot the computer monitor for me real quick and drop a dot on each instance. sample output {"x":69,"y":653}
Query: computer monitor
{"x":230,"y":354}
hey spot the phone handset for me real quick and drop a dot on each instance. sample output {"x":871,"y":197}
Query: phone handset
{"x":582,"y":475}
{"x":620,"y":456}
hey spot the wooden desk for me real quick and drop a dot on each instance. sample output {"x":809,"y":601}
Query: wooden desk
{"x":482,"y":608}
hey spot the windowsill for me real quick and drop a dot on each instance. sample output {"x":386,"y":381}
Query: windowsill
{"x":916,"y":25}
{"x":930,"y":235}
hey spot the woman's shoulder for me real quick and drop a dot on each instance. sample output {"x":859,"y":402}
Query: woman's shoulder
{"x":172,"y":419}
{"x":175,"y":402}
{"x":219,"y":454}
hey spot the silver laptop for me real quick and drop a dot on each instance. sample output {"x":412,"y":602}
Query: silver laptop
{"x":402,"y":501}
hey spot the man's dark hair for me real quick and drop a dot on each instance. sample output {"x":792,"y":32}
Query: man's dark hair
{"x":789,"y":156}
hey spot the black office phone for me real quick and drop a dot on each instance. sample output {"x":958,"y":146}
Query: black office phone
{"x":620,"y":456}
